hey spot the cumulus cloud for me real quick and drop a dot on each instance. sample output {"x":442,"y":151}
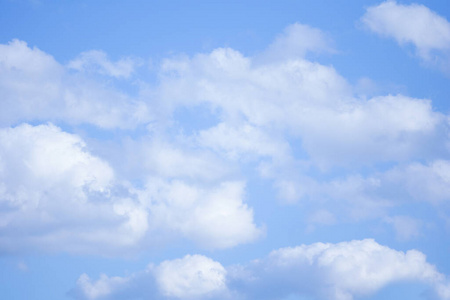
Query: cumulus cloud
{"x":339,"y":271}
{"x":214,"y":217}
{"x":56,"y":196}
{"x":35,"y":87}
{"x":192,"y":277}
{"x":336,"y":271}
{"x":415,"y":24}
{"x":292,"y":116}
{"x":298,"y":100}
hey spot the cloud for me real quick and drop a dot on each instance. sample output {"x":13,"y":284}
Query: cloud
{"x":214,"y":217}
{"x":415,"y":24}
{"x":99,"y":289}
{"x":97,"y":61}
{"x":296,"y":41}
{"x":375,"y":196}
{"x":339,"y":271}
{"x":299,"y":101}
{"x":336,"y":271}
{"x":405,"y":227}
{"x":243,"y":141}
{"x":289,"y":117}
{"x":192,"y":277}
{"x":35,"y":87}
{"x":180,"y":157}
{"x":57,"y":196}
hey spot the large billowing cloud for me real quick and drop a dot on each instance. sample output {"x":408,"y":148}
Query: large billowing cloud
{"x":340,"y":271}
{"x":412,"y":24}
{"x":56,"y":196}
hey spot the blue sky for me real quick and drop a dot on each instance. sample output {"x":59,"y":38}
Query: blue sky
{"x":288,"y":150}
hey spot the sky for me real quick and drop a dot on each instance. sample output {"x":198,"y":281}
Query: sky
{"x":249,"y":150}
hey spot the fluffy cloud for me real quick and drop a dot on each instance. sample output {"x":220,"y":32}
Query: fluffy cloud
{"x":214,"y":217}
{"x":191,"y":277}
{"x":290,"y":117}
{"x":55,"y":195}
{"x":298,"y":101}
{"x":335,"y":271}
{"x":35,"y":87}
{"x":415,"y":24}
{"x":339,"y":271}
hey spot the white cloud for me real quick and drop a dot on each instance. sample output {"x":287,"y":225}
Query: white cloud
{"x":192,"y":277}
{"x":424,"y":182}
{"x":214,"y":217}
{"x":56,"y":196}
{"x":52,"y":186}
{"x":389,"y":128}
{"x":35,"y":87}
{"x":296,"y":41}
{"x":157,"y":156}
{"x":35,"y":160}
{"x":355,"y":198}
{"x":415,"y":24}
{"x":243,"y":142}
{"x":99,"y":289}
{"x":289,"y":116}
{"x":334,"y":271}
{"x":339,"y":271}
{"x":297,"y":100}
{"x":97,"y":61}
